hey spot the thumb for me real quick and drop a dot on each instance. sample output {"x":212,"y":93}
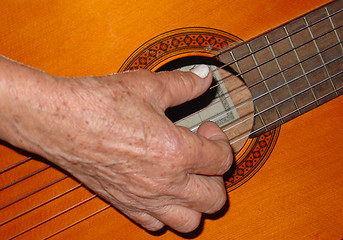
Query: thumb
{"x":181,"y":86}
{"x":211,"y":131}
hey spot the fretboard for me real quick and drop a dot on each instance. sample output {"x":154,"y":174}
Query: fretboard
{"x":292,"y":69}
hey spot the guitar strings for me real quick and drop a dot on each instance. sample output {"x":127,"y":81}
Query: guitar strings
{"x":269,"y":77}
{"x":15,"y":165}
{"x":108,"y":205}
{"x":79,"y":221}
{"x":276,"y":57}
{"x":234,"y":108}
{"x":100,"y":210}
{"x":270,"y":123}
{"x":285,"y":100}
{"x":277,"y":41}
{"x":54,"y":216}
{"x":274,"y":89}
{"x":25,"y":177}
{"x":294,"y":111}
{"x":314,"y":101}
{"x":230,"y":110}
{"x":226,"y":129}
{"x":291,"y":66}
{"x":296,"y":94}
{"x":259,"y":65}
{"x":33,"y":192}
{"x":41,"y":204}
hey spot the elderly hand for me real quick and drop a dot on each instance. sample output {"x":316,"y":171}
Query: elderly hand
{"x":111,"y":133}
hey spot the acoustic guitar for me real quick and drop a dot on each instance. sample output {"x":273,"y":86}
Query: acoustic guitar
{"x":277,"y":67}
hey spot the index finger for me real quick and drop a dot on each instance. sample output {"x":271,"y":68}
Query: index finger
{"x":209,"y":152}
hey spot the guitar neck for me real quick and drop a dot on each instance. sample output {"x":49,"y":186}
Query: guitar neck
{"x":293,"y":68}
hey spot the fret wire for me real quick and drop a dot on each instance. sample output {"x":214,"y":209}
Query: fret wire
{"x":15,"y":165}
{"x":274,"y":89}
{"x":333,"y":26}
{"x":264,"y":82}
{"x":271,"y":123}
{"x":240,"y":71}
{"x":279,"y":40}
{"x":54,"y":216}
{"x":301,"y":63}
{"x":33,"y":192}
{"x":281,"y":71}
{"x":79,"y":221}
{"x":25,"y":177}
{"x":337,"y":37}
{"x":41,"y":204}
{"x":236,"y":62}
{"x":319,"y":52}
{"x":304,"y":90}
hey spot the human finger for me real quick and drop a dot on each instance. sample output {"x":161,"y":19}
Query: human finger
{"x":206,"y":194}
{"x":179,"y":218}
{"x":145,"y":220}
{"x":209,"y":152}
{"x":182,"y":86}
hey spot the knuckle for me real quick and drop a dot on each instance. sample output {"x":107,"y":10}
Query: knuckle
{"x":149,"y":82}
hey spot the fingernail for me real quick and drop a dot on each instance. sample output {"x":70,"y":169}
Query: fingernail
{"x":201,"y":70}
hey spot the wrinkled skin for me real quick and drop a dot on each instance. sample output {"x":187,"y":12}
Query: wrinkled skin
{"x":111,"y":133}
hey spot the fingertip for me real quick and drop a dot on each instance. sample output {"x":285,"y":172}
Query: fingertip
{"x":201,"y":70}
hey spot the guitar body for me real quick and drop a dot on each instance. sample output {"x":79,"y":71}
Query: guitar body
{"x":297,"y":193}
